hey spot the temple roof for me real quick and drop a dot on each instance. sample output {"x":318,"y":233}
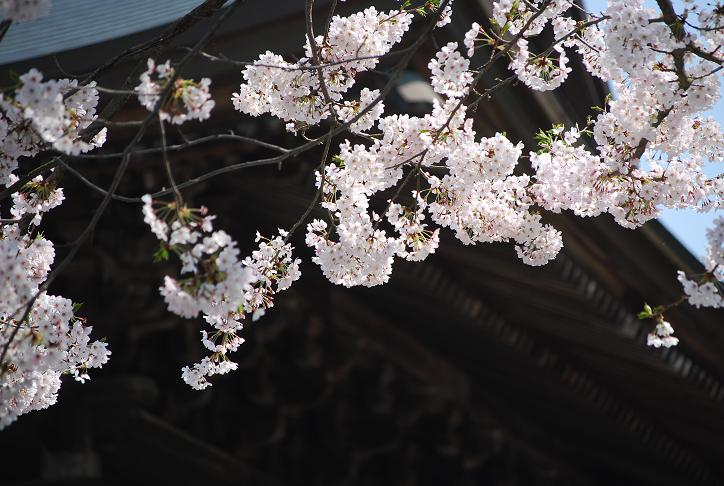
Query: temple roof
{"x":72,"y":24}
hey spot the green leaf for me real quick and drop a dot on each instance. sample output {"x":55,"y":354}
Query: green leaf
{"x":647,"y":313}
{"x":161,"y":254}
{"x":338,"y":161}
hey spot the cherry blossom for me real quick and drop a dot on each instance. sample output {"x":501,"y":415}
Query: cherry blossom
{"x":513,"y":15}
{"x":53,"y":112}
{"x":50,"y":342}
{"x":449,"y":72}
{"x":662,"y":336}
{"x":294,"y":92}
{"x":471,"y":36}
{"x":189,"y":100}
{"x":540,"y":72}
{"x":214,"y":281}
{"x":42,"y":336}
{"x":350,"y":109}
{"x":708,"y":290}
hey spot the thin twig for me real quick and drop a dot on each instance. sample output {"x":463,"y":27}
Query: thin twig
{"x":315,"y":56}
{"x":167,"y":164}
{"x":301,"y":67}
{"x":190,"y":143}
{"x":4,"y":26}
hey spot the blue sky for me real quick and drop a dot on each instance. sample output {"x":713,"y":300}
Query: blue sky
{"x":689,"y":226}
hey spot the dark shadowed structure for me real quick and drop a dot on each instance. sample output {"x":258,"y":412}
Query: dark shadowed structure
{"x":470,"y":368}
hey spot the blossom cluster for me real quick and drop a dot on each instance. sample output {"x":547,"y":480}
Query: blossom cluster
{"x":188,"y":99}
{"x":450,"y":74}
{"x":479,"y":198}
{"x":715,"y":248}
{"x":295,"y":93}
{"x":527,"y":18}
{"x":446,"y":14}
{"x":651,"y":142}
{"x":662,"y":336}
{"x":524,"y":20}
{"x":589,"y":42}
{"x":214,"y":281}
{"x":704,"y":294}
{"x":350,"y":110}
{"x":270,"y":269}
{"x":41,"y":336}
{"x":42,"y":114}
{"x":708,"y":291}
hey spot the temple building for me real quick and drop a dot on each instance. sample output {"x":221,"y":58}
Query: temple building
{"x":470,"y":368}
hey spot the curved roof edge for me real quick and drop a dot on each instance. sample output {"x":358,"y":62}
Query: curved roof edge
{"x":101,"y":20}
